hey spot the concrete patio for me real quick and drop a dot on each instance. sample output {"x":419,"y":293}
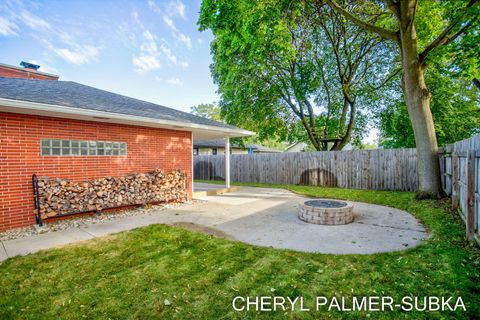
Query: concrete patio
{"x":208,"y":189}
{"x":258,"y":216}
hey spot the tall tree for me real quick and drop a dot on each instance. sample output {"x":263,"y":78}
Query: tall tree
{"x":288,"y":69}
{"x":401,"y":28}
{"x":455,"y":106}
{"x":207,"y":110}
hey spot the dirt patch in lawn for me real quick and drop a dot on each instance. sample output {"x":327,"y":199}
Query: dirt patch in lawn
{"x":203,"y":229}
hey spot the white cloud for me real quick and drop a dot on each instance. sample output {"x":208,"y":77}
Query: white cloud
{"x":80,"y":54}
{"x":169,"y":54}
{"x":172,"y":58}
{"x":145,"y":63}
{"x":149,"y":46}
{"x":173,"y":8}
{"x":175,"y":82}
{"x":169,"y":22}
{"x":171,"y":81}
{"x":168,"y":12}
{"x":44,"y":67}
{"x":148,"y":57}
{"x":134,"y":15}
{"x":7,"y":27}
{"x":69,"y":48}
{"x":185,"y":40}
{"x":35,"y":22}
{"x":176,"y":7}
{"x":154,"y":6}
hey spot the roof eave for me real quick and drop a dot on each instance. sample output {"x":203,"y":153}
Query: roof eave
{"x":58,"y":111}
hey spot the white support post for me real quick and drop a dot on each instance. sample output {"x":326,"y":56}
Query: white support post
{"x":227,"y":162}
{"x":193,"y":184}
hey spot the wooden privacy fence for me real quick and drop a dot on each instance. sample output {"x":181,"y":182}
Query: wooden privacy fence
{"x":381,"y":169}
{"x":460,"y":165}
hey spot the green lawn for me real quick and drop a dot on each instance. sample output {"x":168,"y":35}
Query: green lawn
{"x":129,"y":275}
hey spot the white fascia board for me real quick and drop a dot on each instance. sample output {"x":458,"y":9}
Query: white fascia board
{"x":110,"y":117}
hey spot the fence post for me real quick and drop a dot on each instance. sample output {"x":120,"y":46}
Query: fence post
{"x":455,"y":181}
{"x":470,"y":195}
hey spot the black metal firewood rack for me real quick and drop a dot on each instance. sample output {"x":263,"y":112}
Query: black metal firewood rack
{"x":36,"y":200}
{"x":38,"y":211}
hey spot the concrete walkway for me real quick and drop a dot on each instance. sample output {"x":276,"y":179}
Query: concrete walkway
{"x":258,"y":216}
{"x":207,"y":189}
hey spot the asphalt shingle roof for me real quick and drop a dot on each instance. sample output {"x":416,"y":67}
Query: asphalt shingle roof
{"x":76,"y":95}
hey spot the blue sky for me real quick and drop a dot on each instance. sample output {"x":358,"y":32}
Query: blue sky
{"x":148,"y":49}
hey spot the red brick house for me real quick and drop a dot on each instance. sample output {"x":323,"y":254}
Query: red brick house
{"x":48,"y":128}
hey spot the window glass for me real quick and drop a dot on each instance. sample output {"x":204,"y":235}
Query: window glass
{"x":45,"y":151}
{"x":45,"y":143}
{"x":58,"y":147}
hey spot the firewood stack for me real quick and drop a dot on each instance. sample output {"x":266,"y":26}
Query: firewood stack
{"x":62,"y":196}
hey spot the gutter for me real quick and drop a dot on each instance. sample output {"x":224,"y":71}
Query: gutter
{"x":103,"y":115}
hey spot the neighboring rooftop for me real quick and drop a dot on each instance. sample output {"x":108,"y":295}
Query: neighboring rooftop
{"x":213,"y":143}
{"x":81,"y":97}
{"x":263,"y":149}
{"x":220,"y":143}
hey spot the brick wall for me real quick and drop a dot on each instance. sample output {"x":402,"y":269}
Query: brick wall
{"x":11,"y":72}
{"x":20,"y":135}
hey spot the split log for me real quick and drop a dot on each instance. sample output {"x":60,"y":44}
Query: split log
{"x":63,"y":196}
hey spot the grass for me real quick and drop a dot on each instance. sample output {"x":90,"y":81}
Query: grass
{"x":129,"y":275}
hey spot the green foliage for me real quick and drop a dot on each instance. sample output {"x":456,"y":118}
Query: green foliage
{"x":455,"y":106}
{"x":278,"y":72}
{"x":129,"y":275}
{"x":448,"y":38}
{"x":207,"y":110}
{"x":461,"y":56}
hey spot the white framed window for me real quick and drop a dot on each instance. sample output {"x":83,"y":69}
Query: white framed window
{"x":61,"y":147}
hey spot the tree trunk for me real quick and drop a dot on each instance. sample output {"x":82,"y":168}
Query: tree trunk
{"x":417,"y":98}
{"x":346,"y":133}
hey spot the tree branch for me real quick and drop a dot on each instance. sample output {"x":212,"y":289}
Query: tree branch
{"x":393,"y":6}
{"x":384,"y":33}
{"x":338,"y":145}
{"x":444,"y":41}
{"x":390,"y":77}
{"x":444,"y":38}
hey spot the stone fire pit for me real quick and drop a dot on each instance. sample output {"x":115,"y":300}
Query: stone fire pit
{"x":329,"y":212}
